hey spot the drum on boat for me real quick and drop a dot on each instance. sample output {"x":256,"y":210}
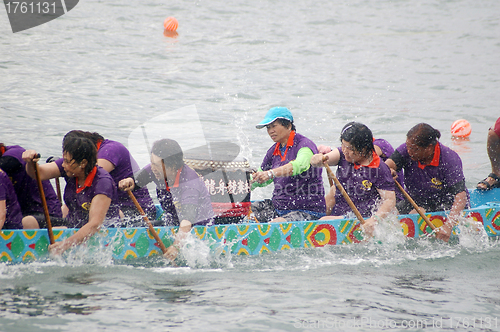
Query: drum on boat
{"x":227,"y":178}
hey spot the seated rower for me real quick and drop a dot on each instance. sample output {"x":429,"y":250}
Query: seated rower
{"x":384,"y":150}
{"x":26,"y":188}
{"x":493,"y":147}
{"x":88,"y":193}
{"x":298,"y":188}
{"x":116,"y":159}
{"x":10,"y":210}
{"x":366,"y":179}
{"x":180,"y":190}
{"x":433,"y":175}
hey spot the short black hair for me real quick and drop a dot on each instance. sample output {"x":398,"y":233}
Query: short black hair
{"x":169,"y":151}
{"x":359,"y":136}
{"x":81,"y":148}
{"x":424,"y":135}
{"x":94,"y":137}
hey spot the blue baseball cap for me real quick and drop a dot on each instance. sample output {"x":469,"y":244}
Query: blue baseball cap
{"x":273,"y":114}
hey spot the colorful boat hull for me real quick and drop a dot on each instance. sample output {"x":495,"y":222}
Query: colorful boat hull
{"x":238,"y":239}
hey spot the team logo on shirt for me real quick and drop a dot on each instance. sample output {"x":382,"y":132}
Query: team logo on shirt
{"x":86,"y":206}
{"x":436,"y":183}
{"x":367,"y":184}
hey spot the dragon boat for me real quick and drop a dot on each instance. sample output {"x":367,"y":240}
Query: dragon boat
{"x":244,"y":238}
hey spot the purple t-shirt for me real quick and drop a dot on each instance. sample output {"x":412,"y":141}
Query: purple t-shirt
{"x":27,"y":191}
{"x":189,"y":188}
{"x":387,"y":151}
{"x":303,"y":191}
{"x":361,"y":185}
{"x":13,"y":219}
{"x":125,"y":167}
{"x":432,"y":185}
{"x":79,"y":203}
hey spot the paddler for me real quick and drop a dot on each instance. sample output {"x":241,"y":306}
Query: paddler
{"x":181,"y":192}
{"x":298,"y":188}
{"x":88,"y":193}
{"x":10,"y":210}
{"x":383,"y":149}
{"x":26,"y":188}
{"x":116,"y":159}
{"x":364,"y":176}
{"x":434,"y":177}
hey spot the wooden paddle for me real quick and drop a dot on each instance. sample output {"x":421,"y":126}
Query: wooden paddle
{"x":415,"y":206}
{"x":44,"y":202}
{"x":331,"y":176}
{"x":146,"y":219}
{"x":58,"y":184}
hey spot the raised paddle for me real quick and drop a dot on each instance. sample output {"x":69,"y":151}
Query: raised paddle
{"x":415,"y":206}
{"x":331,"y":176}
{"x":44,"y":202}
{"x":146,"y":219}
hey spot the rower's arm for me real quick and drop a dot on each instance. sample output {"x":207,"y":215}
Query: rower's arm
{"x":388,"y":203}
{"x":458,"y":206}
{"x":98,"y":208}
{"x":333,"y":158}
{"x":46,"y":171}
{"x":391,"y":163}
{"x":184,"y":229}
{"x":106,"y":164}
{"x":3,"y":212}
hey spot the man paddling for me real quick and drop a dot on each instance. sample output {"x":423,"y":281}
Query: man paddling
{"x":182,"y":194}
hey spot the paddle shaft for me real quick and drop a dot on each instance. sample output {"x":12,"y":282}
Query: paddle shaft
{"x":415,"y":206}
{"x":44,"y":203}
{"x":58,"y":184}
{"x":58,"y":187}
{"x":332,"y":176}
{"x":146,"y":219}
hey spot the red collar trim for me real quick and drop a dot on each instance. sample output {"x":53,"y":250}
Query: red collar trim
{"x":435,"y":159}
{"x":289,"y":143}
{"x":98,"y":144}
{"x":373,"y":164}
{"x":177,"y":179}
{"x":2,"y":150}
{"x":88,"y":181}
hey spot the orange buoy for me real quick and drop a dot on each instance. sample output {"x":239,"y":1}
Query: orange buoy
{"x":461,"y":128}
{"x":170,"y":24}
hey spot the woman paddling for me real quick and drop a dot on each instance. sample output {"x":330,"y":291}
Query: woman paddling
{"x":366,"y":179}
{"x":433,"y":175}
{"x":115,"y":158}
{"x":298,"y":188}
{"x":384,"y":150}
{"x":88,"y":193}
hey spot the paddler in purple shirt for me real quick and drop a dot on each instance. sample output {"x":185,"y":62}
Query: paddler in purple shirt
{"x":10,"y":210}
{"x":88,"y":193}
{"x":364,"y":176}
{"x":298,"y":188}
{"x":383,"y":149}
{"x":115,"y":158}
{"x":26,"y":188}
{"x":181,"y":192}
{"x":433,"y":173}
